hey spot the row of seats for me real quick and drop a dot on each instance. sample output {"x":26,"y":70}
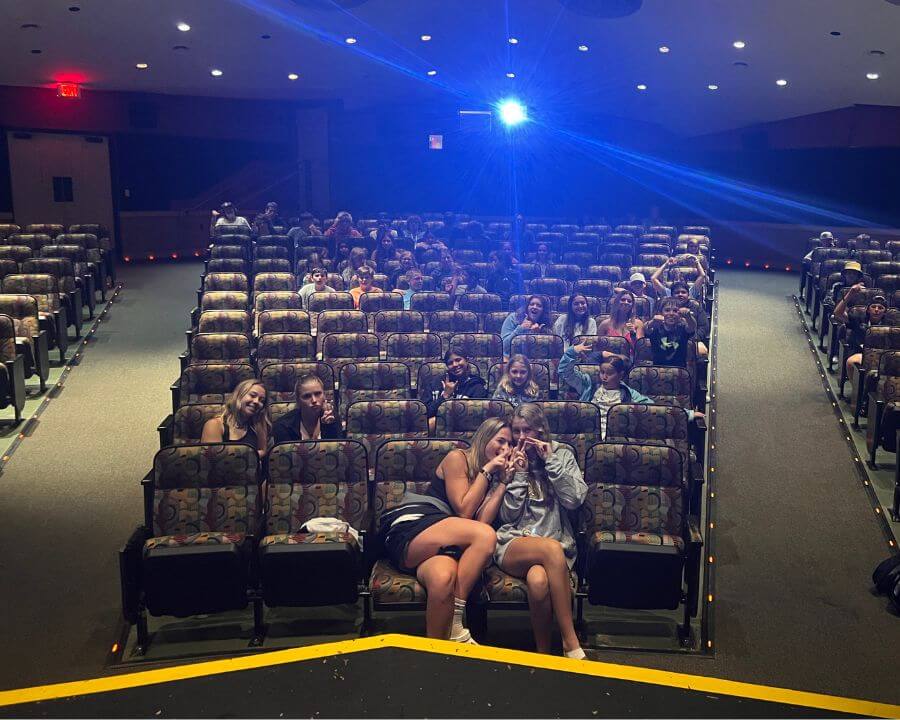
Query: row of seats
{"x":210,"y":540}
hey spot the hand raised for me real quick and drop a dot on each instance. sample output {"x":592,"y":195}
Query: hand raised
{"x":542,"y":448}
{"x":449,"y":387}
{"x":327,"y":413}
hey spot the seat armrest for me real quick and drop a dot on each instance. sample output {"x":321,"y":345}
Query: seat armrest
{"x":175,"y":389}
{"x":130,"y":556}
{"x":700,"y":424}
{"x":165,"y":431}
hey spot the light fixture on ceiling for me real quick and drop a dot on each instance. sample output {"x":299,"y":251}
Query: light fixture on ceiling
{"x":74,"y":8}
{"x":641,"y":87}
{"x":510,"y":75}
{"x":739,"y":44}
{"x":712,"y":86}
{"x":741,"y":64}
{"x":876,"y":53}
{"x":664,"y":49}
{"x":215,"y":72}
{"x":835,"y":33}
{"x":425,"y":38}
{"x":183,"y":27}
{"x":512,"y":112}
{"x":431,"y":73}
{"x":513,"y":41}
{"x":142,"y":66}
{"x":30,"y":26}
{"x":781,"y":82}
{"x":293,"y":76}
{"x":350,"y":40}
{"x":266,"y":36}
{"x":36,"y":52}
{"x":872,"y":76}
{"x":181,"y":47}
{"x":583,"y":48}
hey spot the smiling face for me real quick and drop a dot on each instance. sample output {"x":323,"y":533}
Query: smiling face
{"x":518,"y":374}
{"x":457,"y":366}
{"x":535,"y":309}
{"x":681,"y":294}
{"x":670,"y":314}
{"x":253,"y":401}
{"x":542,"y":251}
{"x":579,"y":306}
{"x":499,"y":444}
{"x":407,"y":261}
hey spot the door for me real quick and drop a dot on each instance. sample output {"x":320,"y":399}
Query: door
{"x":58,"y":178}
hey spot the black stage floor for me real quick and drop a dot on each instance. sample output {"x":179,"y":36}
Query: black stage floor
{"x":401,"y":676}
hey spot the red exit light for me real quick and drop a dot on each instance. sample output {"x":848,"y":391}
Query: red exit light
{"x":68,"y":90}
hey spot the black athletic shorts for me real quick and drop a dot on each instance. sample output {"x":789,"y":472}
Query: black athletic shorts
{"x":401,"y":535}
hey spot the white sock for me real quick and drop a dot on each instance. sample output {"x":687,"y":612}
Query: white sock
{"x":457,"y":628}
{"x":576,"y":654}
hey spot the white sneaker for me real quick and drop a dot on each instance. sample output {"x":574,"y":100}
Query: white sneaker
{"x":464,"y":637}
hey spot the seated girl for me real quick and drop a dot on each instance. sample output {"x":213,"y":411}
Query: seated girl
{"x":245,"y":418}
{"x":611,"y":390}
{"x":577,"y":321}
{"x":442,"y":537}
{"x":622,"y":321}
{"x":517,"y":386}
{"x":535,"y":541}
{"x":532,"y":317}
{"x":857,"y":327}
{"x":313,"y":418}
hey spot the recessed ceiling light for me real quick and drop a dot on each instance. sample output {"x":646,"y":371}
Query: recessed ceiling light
{"x":781,"y":83}
{"x":712,"y":86}
{"x":642,"y":87}
{"x":741,"y":64}
{"x":181,"y":47}
{"x":872,"y":76}
{"x":739,"y":44}
{"x":74,"y":8}
{"x":425,"y":38}
{"x":183,"y":26}
{"x":583,"y":48}
{"x":142,"y":66}
{"x":431,"y":73}
{"x":215,"y":72}
{"x":836,"y":33}
{"x":350,"y":40}
{"x":293,"y":76}
{"x":36,"y":52}
{"x":510,"y":75}
{"x":513,"y":41}
{"x":664,"y":49}
{"x":876,"y":53}
{"x":30,"y":26}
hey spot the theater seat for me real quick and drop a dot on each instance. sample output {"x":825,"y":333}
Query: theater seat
{"x":459,"y":419}
{"x":12,"y":369}
{"x":575,"y":423}
{"x":51,"y":314}
{"x":31,"y":340}
{"x":208,"y":383}
{"x":192,"y":555}
{"x":637,"y":548}
{"x":373,"y":422}
{"x":374,"y":381}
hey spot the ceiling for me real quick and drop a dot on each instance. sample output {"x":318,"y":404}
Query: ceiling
{"x":102,"y":42}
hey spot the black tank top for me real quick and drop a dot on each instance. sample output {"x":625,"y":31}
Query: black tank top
{"x":248,"y":439}
{"x":438,"y":489}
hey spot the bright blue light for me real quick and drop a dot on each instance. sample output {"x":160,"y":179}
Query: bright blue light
{"x":512,"y":112}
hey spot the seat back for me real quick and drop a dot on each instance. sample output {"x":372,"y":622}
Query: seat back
{"x":226,"y":264}
{"x":282,"y":321}
{"x":320,"y":302}
{"x":265,"y":281}
{"x":19,"y":253}
{"x":224,"y":300}
{"x":205,"y":488}
{"x":649,"y":425}
{"x":42,"y":287}
{"x":224,"y":321}
{"x":188,"y":422}
{"x":220,"y":347}
{"x":316,"y":479}
{"x":540,"y":373}
{"x":338,"y":321}
{"x":479,"y":302}
{"x":429,"y":302}
{"x":398,"y":321}
{"x":23,"y":309}
{"x":546,"y":347}
{"x":374,"y":381}
{"x":575,"y":423}
{"x":341,"y":348}
{"x":663,"y":385}
{"x":877,"y":340}
{"x":284,"y":347}
{"x":280,"y":379}
{"x":460,"y":419}
{"x":266,"y":266}
{"x":236,"y":282}
{"x":483,"y":349}
{"x":612,"y":273}
{"x":212,"y":382}
{"x":373,"y":302}
{"x":276,"y":300}
{"x":373,"y":422}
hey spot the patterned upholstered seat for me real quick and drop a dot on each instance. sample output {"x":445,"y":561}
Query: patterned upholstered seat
{"x":220,"y":347}
{"x":272,"y":265}
{"x":374,"y":381}
{"x":339,"y":349}
{"x":69,"y":287}
{"x":413,"y":348}
{"x":429,"y":302}
{"x":23,"y":309}
{"x":204,"y":504}
{"x":209,"y":382}
{"x":398,"y":321}
{"x":505,"y":591}
{"x":267,"y":281}
{"x":610,"y":273}
{"x":663,"y":385}
{"x":459,"y":419}
{"x":549,"y":286}
{"x":284,"y":347}
{"x":374,"y":302}
{"x":7,"y":229}
{"x":227,"y":265}
{"x":320,"y":302}
{"x":51,"y":229}
{"x":33,"y":241}
{"x":492,"y":322}
{"x":89,"y":272}
{"x":224,"y":321}
{"x":276,"y":300}
{"x":280,"y":379}
{"x":12,"y":369}
{"x":547,"y":348}
{"x":187,"y":423}
{"x":402,"y":464}
{"x":45,"y":290}
{"x":575,"y":423}
{"x":863,"y":377}
{"x":8,"y":267}
{"x":373,"y":422}
{"x":594,"y":287}
{"x":483,"y":349}
{"x":635,"y":522}
{"x":282,"y":321}
{"x":623,"y":260}
{"x":18,"y":253}
{"x":540,"y":373}
{"x":577,"y":259}
{"x":479,"y":302}
{"x":236,"y":282}
{"x":310,"y":480}
{"x":225,"y":300}
{"x":340,"y":321}
{"x":266,"y":252}
{"x":227,"y":252}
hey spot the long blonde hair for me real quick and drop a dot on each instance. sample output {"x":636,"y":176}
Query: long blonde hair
{"x":475,"y":458}
{"x":616,"y":303}
{"x":534,"y":417}
{"x":261,"y":423}
{"x":531,"y":387}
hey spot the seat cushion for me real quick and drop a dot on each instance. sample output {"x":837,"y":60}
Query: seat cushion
{"x":390,"y":586}
{"x":502,"y":587}
{"x":623,"y":537}
{"x":317,"y":538}
{"x":193,"y":540}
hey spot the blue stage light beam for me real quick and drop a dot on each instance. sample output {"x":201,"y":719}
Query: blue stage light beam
{"x":512,"y":112}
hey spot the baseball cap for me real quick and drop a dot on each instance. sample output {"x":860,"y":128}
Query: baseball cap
{"x":878,"y":300}
{"x":825,"y":235}
{"x":852,"y":265}
{"x":637,"y":276}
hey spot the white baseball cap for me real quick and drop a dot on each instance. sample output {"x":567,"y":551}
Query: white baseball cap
{"x":825,"y":234}
{"x":636,"y":277}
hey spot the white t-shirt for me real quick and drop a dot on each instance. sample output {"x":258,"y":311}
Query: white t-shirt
{"x":605,"y":399}
{"x":308,"y":290}
{"x":223,"y":224}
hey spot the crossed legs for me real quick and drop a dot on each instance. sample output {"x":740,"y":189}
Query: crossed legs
{"x":444,"y":578}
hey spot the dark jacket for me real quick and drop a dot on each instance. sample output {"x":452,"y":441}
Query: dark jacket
{"x":471,"y":386}
{"x":287,"y":428}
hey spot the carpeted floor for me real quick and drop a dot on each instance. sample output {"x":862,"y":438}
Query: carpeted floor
{"x":796,"y":539}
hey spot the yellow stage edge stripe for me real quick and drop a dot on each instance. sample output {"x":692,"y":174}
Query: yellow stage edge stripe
{"x":696,"y":683}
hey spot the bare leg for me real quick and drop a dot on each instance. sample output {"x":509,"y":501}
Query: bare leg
{"x":855,"y":359}
{"x":438,"y":575}
{"x":540,"y":607}
{"x":431,"y":424}
{"x":522,"y":554}
{"x":476,"y":539}
{"x":702,"y":350}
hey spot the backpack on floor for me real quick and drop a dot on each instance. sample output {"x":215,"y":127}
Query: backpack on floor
{"x":887,"y":579}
